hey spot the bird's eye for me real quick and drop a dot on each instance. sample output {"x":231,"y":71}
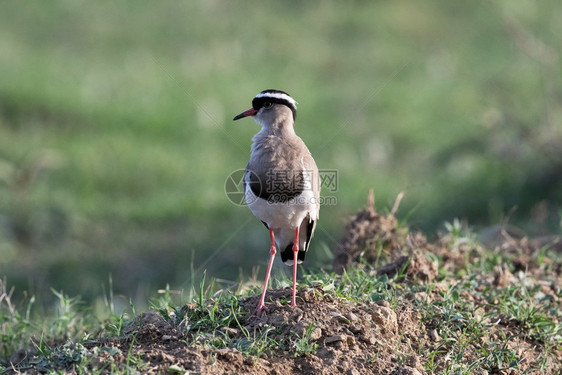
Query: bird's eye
{"x":267,"y":104}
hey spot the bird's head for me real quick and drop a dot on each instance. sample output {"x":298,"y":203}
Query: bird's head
{"x":271,"y":106}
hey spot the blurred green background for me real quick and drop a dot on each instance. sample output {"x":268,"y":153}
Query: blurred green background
{"x":116,"y":132}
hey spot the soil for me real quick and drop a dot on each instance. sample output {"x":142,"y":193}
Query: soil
{"x":350,"y":337}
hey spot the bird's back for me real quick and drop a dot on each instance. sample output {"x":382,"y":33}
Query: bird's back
{"x":281,"y":167}
{"x":284,"y":190}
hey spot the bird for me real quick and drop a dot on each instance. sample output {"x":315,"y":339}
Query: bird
{"x":281,"y":182}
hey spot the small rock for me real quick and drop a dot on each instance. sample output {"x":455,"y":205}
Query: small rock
{"x":415,"y":362}
{"x":316,"y":334}
{"x":350,"y":341}
{"x":166,"y":338}
{"x":326,"y":354}
{"x":301,"y":327}
{"x":165,"y":358}
{"x":352,"y":317}
{"x":334,"y":339}
{"x":297,"y":315}
{"x":383,"y":303}
{"x":369,"y":338}
{"x":308,"y":295}
{"x":150,"y":317}
{"x":386,"y":318}
{"x":433,"y":335}
{"x":406,"y":370}
{"x":250,"y":361}
{"x":339,"y":317}
{"x":352,"y":371}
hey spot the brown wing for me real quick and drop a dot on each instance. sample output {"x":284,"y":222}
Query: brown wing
{"x":276,"y":171}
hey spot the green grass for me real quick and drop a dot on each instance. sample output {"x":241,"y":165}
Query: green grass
{"x":56,"y":339}
{"x":458,"y":327}
{"x":59,"y":342}
{"x":475,"y":321}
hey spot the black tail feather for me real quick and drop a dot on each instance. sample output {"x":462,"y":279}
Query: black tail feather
{"x":287,"y":254}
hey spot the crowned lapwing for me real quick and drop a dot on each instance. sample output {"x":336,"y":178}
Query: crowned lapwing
{"x":281,"y":182}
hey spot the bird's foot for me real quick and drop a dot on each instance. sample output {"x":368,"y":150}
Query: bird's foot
{"x":260,"y":310}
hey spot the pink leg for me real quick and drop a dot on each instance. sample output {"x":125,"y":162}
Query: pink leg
{"x":261,"y":306}
{"x":295,"y":253}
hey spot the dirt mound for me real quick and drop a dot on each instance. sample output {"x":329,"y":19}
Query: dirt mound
{"x":352,"y":337}
{"x":379,"y":241}
{"x":324,"y":334}
{"x":370,"y":237}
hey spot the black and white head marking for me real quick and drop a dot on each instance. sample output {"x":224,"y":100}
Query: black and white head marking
{"x":275,"y":96}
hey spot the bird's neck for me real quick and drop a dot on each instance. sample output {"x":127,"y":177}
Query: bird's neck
{"x":279,"y":129}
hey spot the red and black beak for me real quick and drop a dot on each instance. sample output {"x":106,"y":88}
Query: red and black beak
{"x":249,"y":112}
